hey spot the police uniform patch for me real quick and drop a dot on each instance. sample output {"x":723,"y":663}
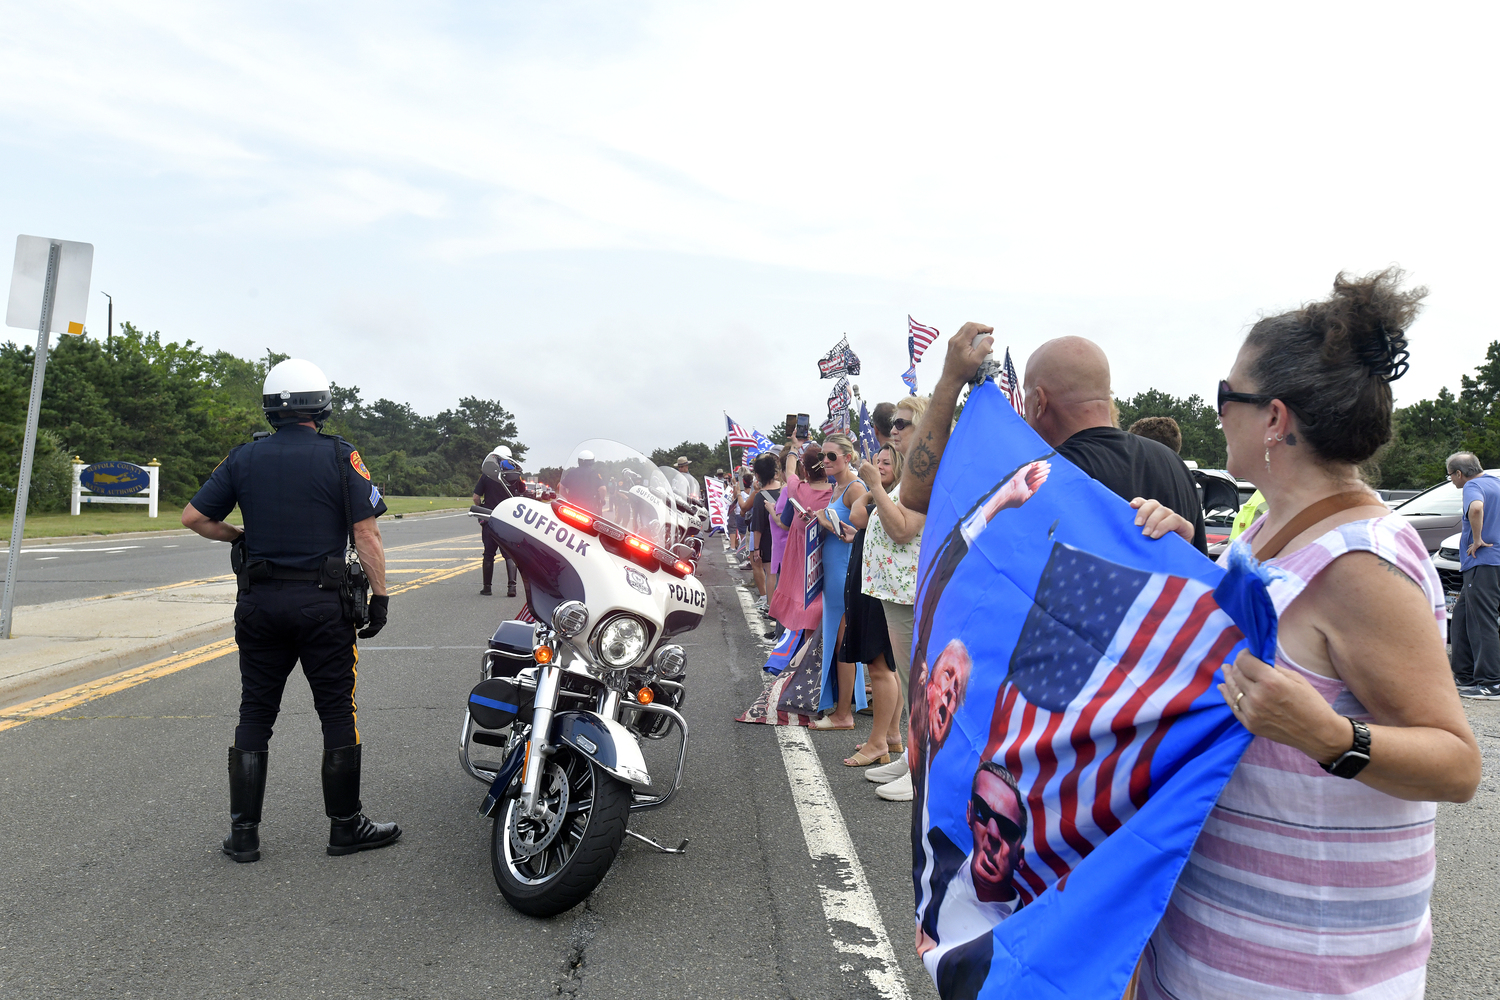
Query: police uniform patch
{"x":359,"y":464}
{"x":374,"y":494}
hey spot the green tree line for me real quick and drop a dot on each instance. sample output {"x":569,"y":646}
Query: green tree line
{"x":137,"y":397}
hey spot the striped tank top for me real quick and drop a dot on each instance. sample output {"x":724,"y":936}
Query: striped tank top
{"x":1302,"y":884}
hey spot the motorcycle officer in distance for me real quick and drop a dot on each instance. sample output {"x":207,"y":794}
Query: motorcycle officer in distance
{"x":488,"y":492}
{"x":309,"y":506}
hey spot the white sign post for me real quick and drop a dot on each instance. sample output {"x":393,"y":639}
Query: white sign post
{"x":50,"y":282}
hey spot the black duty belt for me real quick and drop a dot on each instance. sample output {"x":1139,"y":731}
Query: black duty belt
{"x":307,"y":575}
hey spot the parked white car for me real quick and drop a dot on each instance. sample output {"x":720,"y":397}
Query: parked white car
{"x":1446,"y":561}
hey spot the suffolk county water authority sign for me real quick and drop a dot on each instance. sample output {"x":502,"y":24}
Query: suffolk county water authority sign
{"x":114,"y":479}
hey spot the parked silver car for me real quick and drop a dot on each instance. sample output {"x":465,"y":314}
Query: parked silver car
{"x":1436,"y":512}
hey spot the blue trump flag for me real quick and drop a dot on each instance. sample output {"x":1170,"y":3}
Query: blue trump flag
{"x":1067,"y":738}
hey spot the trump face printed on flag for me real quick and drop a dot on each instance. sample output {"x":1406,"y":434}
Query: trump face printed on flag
{"x":1072,"y":702}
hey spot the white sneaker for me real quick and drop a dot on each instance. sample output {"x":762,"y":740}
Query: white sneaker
{"x":760,"y":602}
{"x":887,"y":772}
{"x":897,"y":791}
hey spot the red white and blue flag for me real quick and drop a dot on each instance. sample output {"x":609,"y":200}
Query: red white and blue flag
{"x":1011,"y":386}
{"x":738,"y":436}
{"x":919,"y":336}
{"x":910,"y":378}
{"x":1063,"y":706}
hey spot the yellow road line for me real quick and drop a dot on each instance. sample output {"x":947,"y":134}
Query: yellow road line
{"x":62,"y":701}
{"x":72,"y":697}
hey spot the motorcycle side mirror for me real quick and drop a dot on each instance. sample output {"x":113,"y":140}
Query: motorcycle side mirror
{"x":491,"y":467}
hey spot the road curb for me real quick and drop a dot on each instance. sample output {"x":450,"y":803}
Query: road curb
{"x":19,"y":687}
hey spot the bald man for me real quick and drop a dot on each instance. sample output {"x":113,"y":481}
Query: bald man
{"x":1068,"y":403}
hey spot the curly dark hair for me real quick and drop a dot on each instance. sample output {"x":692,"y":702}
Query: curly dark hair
{"x":1332,"y":362}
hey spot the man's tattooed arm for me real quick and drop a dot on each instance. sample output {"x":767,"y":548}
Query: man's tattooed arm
{"x":926,"y":452}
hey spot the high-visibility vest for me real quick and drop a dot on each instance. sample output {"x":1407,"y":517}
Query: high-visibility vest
{"x":1252,"y":510}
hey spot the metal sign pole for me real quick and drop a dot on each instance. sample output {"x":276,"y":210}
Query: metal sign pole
{"x":28,"y":450}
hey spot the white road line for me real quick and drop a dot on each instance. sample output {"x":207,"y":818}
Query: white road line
{"x":850,"y":905}
{"x":45,"y":558}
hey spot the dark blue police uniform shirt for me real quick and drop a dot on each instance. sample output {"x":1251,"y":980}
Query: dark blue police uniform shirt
{"x":288,"y":489}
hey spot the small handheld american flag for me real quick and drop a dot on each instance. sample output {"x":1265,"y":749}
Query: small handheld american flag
{"x":921,"y":337}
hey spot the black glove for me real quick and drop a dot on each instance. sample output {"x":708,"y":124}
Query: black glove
{"x":379,"y":609}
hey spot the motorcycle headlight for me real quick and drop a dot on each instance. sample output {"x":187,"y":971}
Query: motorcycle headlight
{"x":671,"y":662}
{"x":620,"y":642}
{"x":570,"y":618}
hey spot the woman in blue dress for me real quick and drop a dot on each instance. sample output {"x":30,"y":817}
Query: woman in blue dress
{"x":843,"y":683}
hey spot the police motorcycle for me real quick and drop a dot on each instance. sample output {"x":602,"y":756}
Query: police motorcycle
{"x":555,"y":725}
{"x":691,"y":518}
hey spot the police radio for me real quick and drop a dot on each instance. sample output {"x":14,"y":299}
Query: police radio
{"x":353,"y":584}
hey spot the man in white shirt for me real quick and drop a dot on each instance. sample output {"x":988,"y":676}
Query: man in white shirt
{"x":954,"y":941}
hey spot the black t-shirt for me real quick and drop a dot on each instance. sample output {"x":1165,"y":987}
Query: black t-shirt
{"x":289,"y":488}
{"x":1133,"y":466}
{"x":491,"y":492}
{"x":761,"y":521}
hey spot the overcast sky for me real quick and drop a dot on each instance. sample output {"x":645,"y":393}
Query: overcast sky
{"x":621,"y":219}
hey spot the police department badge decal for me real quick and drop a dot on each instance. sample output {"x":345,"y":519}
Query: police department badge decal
{"x":637,"y":580}
{"x":359,"y":464}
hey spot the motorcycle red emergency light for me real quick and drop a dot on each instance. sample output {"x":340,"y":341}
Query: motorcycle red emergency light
{"x":582,"y":520}
{"x":642,"y":546}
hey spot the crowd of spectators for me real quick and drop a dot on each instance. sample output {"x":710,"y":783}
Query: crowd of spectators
{"x":1360,"y":662}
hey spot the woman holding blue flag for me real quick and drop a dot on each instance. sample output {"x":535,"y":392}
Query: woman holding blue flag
{"x":1312,"y":874}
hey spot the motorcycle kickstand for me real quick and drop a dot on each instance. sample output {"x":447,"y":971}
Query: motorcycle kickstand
{"x":679,"y":849}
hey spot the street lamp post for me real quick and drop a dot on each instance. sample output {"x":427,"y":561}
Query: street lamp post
{"x":109,"y":324}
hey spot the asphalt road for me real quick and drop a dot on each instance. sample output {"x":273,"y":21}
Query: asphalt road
{"x":115,"y":886}
{"x":68,"y":569}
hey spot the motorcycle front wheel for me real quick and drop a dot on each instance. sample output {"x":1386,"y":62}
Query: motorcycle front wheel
{"x":549,"y":864}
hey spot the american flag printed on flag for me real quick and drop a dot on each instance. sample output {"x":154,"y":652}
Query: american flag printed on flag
{"x":738,"y":436}
{"x":1011,"y":386}
{"x":1107,"y":659}
{"x":910,"y":378}
{"x":920,"y":337}
{"x":1057,"y":643}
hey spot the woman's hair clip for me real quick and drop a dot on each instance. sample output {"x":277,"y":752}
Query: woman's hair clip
{"x":1386,"y":358}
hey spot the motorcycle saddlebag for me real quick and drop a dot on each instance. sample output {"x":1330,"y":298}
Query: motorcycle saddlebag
{"x":495,"y":703}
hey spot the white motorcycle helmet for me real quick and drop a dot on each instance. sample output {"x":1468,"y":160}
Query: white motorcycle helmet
{"x":502,"y":451}
{"x":585,"y":457}
{"x":294,"y":391}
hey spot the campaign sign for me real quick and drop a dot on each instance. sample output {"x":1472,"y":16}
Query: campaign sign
{"x":114,"y":479}
{"x":1067,"y":739}
{"x":814,"y":569}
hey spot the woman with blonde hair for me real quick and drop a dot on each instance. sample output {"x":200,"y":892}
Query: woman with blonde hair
{"x":866,"y":638}
{"x":843,"y":682}
{"x":893,"y":541}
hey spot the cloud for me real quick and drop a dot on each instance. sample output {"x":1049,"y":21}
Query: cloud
{"x":1154,"y":175}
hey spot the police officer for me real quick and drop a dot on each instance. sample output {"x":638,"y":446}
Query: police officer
{"x":301,"y":494}
{"x":584,"y":485}
{"x":488,"y":493}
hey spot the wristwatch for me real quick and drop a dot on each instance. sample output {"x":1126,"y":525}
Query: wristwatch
{"x":1352,"y":761}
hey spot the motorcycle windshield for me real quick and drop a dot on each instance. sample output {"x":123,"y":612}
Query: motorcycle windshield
{"x":619,"y":484}
{"x":678,"y":482}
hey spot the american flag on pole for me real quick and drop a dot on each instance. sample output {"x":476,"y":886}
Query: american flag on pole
{"x":1011,"y":386}
{"x":738,"y":436}
{"x":919,"y":337}
{"x":1058,"y":647}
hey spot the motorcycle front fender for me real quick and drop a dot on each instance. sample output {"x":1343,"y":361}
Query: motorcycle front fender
{"x":606,"y":743}
{"x":503,"y":778}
